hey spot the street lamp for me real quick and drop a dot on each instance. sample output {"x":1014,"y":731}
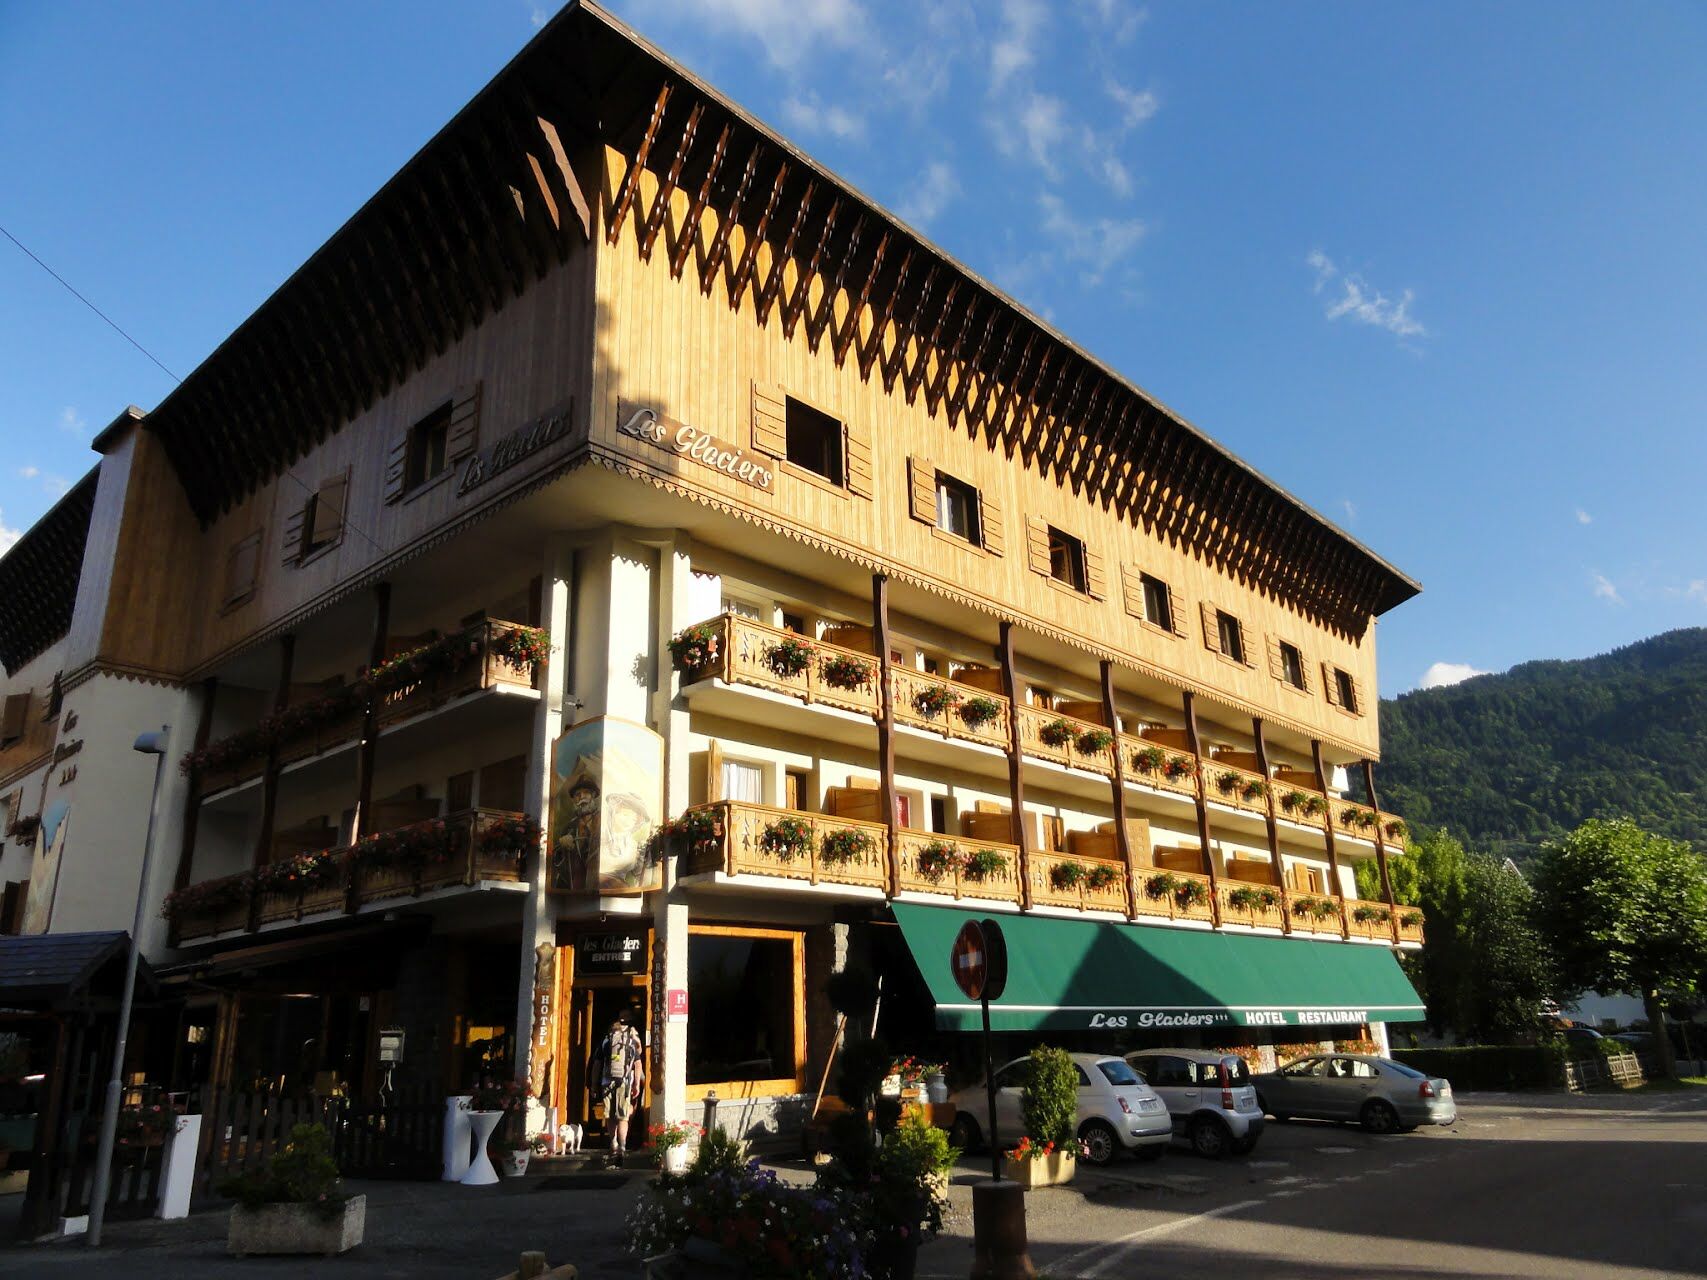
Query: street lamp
{"x":150,"y":744}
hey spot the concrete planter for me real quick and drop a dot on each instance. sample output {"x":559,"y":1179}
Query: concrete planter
{"x":1045,"y":1171}
{"x":295,"y":1228}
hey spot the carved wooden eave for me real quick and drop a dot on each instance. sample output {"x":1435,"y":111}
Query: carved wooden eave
{"x":39,"y":577}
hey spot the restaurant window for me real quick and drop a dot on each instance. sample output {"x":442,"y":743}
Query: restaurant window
{"x":746,"y":1008}
{"x":1158,"y":610}
{"x":427,"y":455}
{"x":1229,"y":635}
{"x":1291,"y":665}
{"x":957,"y":508}
{"x":743,"y":781}
{"x":814,"y":441}
{"x":1066,"y":559}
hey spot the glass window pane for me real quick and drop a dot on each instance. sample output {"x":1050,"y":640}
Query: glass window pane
{"x":742,"y":781}
{"x":741,"y":1009}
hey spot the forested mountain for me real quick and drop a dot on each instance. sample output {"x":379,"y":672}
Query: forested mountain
{"x":1507,"y":761}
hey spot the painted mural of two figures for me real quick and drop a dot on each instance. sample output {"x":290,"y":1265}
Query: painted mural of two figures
{"x":607,"y":802}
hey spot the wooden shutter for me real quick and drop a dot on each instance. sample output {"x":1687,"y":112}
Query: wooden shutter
{"x":1211,"y":626}
{"x":1176,"y":612}
{"x":9,"y":807}
{"x":770,"y":420}
{"x":12,"y":719}
{"x":1304,"y":671}
{"x":859,"y":460}
{"x":1037,"y":545}
{"x":1276,"y":663}
{"x":713,"y":772}
{"x":242,"y":569}
{"x":921,"y":477}
{"x":463,"y":436}
{"x":1132,"y":587}
{"x":1330,"y":686}
{"x":990,"y":524}
{"x":1096,"y":579}
{"x":1247,"y":652}
{"x":292,"y":549}
{"x":396,"y":468}
{"x":328,"y":511}
{"x":1357,"y":695}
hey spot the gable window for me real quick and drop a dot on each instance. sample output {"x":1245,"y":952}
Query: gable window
{"x":1066,"y":559}
{"x":427,"y":454}
{"x":1291,"y":665}
{"x":1229,"y":635}
{"x":242,"y":570}
{"x":814,"y":441}
{"x":957,"y":508}
{"x":1158,"y":610}
{"x":1347,"y":689}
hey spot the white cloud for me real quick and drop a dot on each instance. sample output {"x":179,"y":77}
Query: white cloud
{"x":1099,"y":244}
{"x":1604,"y":588}
{"x":1013,"y":48}
{"x":811,"y":114}
{"x":70,"y":421}
{"x":29,"y":473}
{"x":1584,"y":517}
{"x":538,"y":15}
{"x":8,"y":535}
{"x":1136,"y":106}
{"x":1116,"y":18}
{"x":54,"y":486}
{"x":1441,"y":674}
{"x":1364,"y":303}
{"x":1696,"y":590}
{"x":1350,"y":508}
{"x":788,"y":29}
{"x":930,"y":195}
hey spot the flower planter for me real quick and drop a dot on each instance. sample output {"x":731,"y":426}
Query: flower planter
{"x":516,"y":1163}
{"x":1045,"y":1171}
{"x":675,"y":1160}
{"x":296,"y":1228}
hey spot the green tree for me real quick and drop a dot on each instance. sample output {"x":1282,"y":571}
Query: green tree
{"x":1625,"y":910}
{"x":1509,"y":970}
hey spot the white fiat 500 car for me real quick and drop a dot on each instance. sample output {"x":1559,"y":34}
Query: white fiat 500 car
{"x":1117,"y":1111}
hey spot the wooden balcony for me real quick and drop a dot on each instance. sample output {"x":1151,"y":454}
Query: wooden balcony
{"x":949,"y":708}
{"x":1303,"y":805}
{"x":470,"y":661}
{"x":1066,"y":740}
{"x":1159,"y":766}
{"x":956,"y":867}
{"x":1314,"y":913}
{"x":1352,"y":819}
{"x":759,"y":840}
{"x":462,"y":849}
{"x":742,"y":651}
{"x":1173,"y":895}
{"x":1231,"y":785}
{"x":1258,"y":906}
{"x":1085,"y":884}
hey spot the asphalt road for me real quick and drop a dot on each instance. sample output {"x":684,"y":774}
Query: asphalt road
{"x":1608,"y":1186}
{"x":1603,"y":1186}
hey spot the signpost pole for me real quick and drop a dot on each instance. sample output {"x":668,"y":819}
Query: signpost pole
{"x":990,"y":1091}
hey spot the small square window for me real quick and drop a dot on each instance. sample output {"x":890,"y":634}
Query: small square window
{"x":426,"y":457}
{"x":1157,"y":610}
{"x":1230,"y":635}
{"x":1066,"y":559}
{"x":1347,"y":688}
{"x":957,"y":508}
{"x":814,"y":441}
{"x":1291,"y":665}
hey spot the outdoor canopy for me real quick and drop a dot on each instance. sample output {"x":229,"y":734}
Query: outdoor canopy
{"x":1077,"y":975}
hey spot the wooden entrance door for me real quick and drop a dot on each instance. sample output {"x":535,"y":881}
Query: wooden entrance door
{"x":593,"y":1006}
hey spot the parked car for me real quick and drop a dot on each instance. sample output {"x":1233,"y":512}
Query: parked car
{"x":1209,"y":1096}
{"x":1578,"y":1036}
{"x":1117,"y":1111}
{"x":1382,"y":1095}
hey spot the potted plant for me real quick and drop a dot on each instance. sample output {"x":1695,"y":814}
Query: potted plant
{"x":1411,"y":919}
{"x":842,"y":671}
{"x":1190,"y":893}
{"x":1102,"y":875}
{"x":1253,"y":789}
{"x":978,"y":712}
{"x":1366,"y":913}
{"x":1068,"y":875}
{"x":514,"y":1153}
{"x":522,"y":646}
{"x":1176,"y":768}
{"x":788,"y":657}
{"x":695,"y":649}
{"x":934,"y":860}
{"x":670,"y":1144}
{"x":1292,"y":800}
{"x":1049,"y":1103}
{"x":1227,"y":782}
{"x":1253,"y":898}
{"x":297,"y":1204}
{"x":909,"y":1195}
{"x":844,"y":845}
{"x":935,"y":699}
{"x":1149,"y":759}
{"x":1057,"y":733}
{"x":1093,"y":742}
{"x":981,"y":864}
{"x":1161,"y":885}
{"x":786,"y":839}
{"x":695,"y":829}
{"x":1395,"y":829}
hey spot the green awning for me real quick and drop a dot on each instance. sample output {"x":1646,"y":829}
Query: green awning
{"x":1077,"y":975}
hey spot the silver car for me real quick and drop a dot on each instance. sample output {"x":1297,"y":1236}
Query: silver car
{"x":1117,"y":1111}
{"x":1382,"y":1095}
{"x":1209,"y":1097}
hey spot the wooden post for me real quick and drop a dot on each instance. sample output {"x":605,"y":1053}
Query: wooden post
{"x":365,"y":752}
{"x":1380,"y":839}
{"x":1122,"y":837}
{"x":886,"y":724}
{"x":192,"y":794}
{"x":1328,"y":825}
{"x":1189,"y":701}
{"x":1016,"y":767}
{"x":270,"y":776}
{"x":1273,"y":826}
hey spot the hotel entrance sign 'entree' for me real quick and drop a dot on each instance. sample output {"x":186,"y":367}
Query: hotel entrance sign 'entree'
{"x":643,"y":423}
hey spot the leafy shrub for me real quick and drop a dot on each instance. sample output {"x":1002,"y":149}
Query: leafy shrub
{"x":1067,"y":875}
{"x":1049,"y":1102}
{"x":786,"y":838}
{"x":718,"y":1153}
{"x":1494,"y":1066}
{"x":845,"y":845}
{"x":1057,"y":733}
{"x":977,"y":712}
{"x":303,"y":1172}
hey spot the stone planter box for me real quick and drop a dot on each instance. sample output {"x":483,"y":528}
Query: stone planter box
{"x":1047,"y":1171}
{"x":295,"y":1228}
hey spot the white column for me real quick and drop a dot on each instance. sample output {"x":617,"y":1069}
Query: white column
{"x":537,"y":922}
{"x":1378,"y":1033}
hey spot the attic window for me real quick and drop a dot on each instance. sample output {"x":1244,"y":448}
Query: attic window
{"x":814,"y":441}
{"x":427,"y":456}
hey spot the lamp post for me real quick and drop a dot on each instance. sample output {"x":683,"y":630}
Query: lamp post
{"x":151,"y":744}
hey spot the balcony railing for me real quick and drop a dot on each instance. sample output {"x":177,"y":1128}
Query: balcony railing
{"x":462,"y":849}
{"x":1066,"y":740}
{"x":485,"y":656}
{"x":757,"y":839}
{"x":1086,"y":884}
{"x":1237,"y":787}
{"x":1173,"y":895}
{"x":742,"y":651}
{"x":1159,"y":766}
{"x":1259,"y":906}
{"x":956,"y":867}
{"x":954,"y":710}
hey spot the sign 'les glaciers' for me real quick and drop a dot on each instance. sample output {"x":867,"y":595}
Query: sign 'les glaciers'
{"x":643,"y":423}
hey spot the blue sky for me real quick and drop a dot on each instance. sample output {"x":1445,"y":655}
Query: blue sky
{"x":1438,"y":270}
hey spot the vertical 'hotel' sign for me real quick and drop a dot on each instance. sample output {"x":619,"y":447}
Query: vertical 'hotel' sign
{"x":640,"y":422}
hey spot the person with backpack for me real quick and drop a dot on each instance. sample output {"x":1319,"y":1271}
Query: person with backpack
{"x":617,"y":1066}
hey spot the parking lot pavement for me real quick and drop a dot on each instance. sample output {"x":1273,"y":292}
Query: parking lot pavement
{"x":1519,"y":1186}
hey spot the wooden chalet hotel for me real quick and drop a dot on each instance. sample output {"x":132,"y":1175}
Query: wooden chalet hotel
{"x":618,"y":470}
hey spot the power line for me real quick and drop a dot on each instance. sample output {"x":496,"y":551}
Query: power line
{"x":299,"y":482}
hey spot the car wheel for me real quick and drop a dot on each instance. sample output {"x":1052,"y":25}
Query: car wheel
{"x":964,"y":1133}
{"x":1209,"y":1137}
{"x":1102,"y":1143}
{"x":1379,"y":1117}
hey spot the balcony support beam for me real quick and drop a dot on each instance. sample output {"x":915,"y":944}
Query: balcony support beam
{"x":1327,"y":814}
{"x":192,"y":793}
{"x":1016,"y":758}
{"x":1269,"y":822}
{"x":365,"y":749}
{"x":885,"y":723}
{"x":1380,"y":841}
{"x":1189,"y":702}
{"x":1122,"y":837}
{"x":270,"y":776}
